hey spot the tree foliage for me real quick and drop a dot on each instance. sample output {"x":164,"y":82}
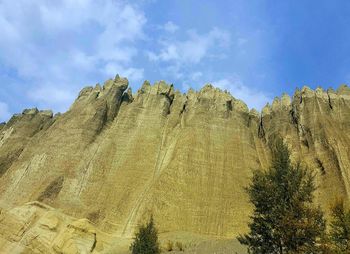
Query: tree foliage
{"x":146,"y":239}
{"x":284,"y":219}
{"x":340,"y":228}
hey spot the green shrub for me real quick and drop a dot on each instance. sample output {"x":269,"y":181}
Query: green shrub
{"x":146,"y":240}
{"x":340,"y":228}
{"x":284,"y":219}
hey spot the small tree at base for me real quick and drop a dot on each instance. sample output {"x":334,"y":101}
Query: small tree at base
{"x":340,"y":228}
{"x":146,"y":240}
{"x":284,"y":219}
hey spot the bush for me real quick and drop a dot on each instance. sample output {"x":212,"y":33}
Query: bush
{"x":340,"y":228}
{"x":284,"y":219}
{"x":146,"y":240}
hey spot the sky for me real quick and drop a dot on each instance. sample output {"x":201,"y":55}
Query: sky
{"x":256,"y":49}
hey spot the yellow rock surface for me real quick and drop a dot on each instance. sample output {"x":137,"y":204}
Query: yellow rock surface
{"x":116,"y":157}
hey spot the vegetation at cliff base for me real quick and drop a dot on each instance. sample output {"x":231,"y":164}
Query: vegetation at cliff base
{"x":340,"y":228}
{"x":284,"y":218}
{"x":146,"y":239}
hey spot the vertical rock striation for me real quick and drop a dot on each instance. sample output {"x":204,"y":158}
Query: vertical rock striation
{"x":114,"y":157}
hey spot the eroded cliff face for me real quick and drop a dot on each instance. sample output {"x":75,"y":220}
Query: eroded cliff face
{"x":115,"y":157}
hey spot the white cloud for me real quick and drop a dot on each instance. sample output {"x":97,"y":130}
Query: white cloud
{"x":196,"y":75}
{"x":56,"y":47}
{"x":133,"y":74}
{"x":170,"y":27}
{"x":4,"y":112}
{"x":192,"y":50}
{"x":241,"y":41}
{"x":253,"y":98}
{"x":178,"y":58}
{"x":52,"y":94}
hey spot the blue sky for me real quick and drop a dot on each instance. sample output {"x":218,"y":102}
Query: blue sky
{"x":256,"y":49}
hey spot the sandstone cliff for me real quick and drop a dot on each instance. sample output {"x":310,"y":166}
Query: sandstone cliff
{"x":115,"y":157}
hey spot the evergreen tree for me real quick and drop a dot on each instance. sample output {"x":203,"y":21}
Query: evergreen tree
{"x":284,"y":219}
{"x":146,"y":239}
{"x":340,"y":228}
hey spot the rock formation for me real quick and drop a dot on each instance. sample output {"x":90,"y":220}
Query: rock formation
{"x":68,"y":182}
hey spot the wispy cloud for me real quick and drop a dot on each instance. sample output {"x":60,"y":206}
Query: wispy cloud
{"x":50,"y":49}
{"x":4,"y":112}
{"x":193,"y":49}
{"x":131,"y":73}
{"x":52,"y":94}
{"x":252,"y":97}
{"x":57,"y":46}
{"x":178,"y":58}
{"x":170,"y":27}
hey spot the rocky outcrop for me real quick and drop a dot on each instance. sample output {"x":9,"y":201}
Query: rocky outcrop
{"x":18,"y":132}
{"x":115,"y":157}
{"x":38,"y":228}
